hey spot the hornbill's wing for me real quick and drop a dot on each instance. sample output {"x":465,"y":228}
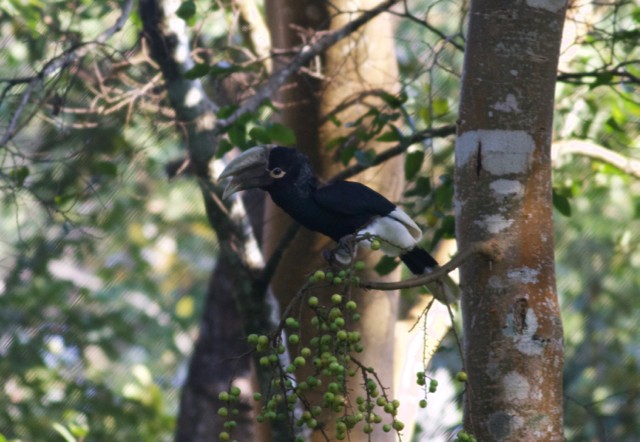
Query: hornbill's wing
{"x":363,"y":207}
{"x":352,"y":199}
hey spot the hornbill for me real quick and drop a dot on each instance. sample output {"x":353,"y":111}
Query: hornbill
{"x":345,"y":211}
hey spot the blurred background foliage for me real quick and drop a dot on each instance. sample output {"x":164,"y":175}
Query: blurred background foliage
{"x":104,"y":262}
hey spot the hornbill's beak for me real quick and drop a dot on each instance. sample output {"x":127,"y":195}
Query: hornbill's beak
{"x":247,"y":171}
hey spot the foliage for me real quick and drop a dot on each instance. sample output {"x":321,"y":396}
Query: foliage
{"x":104,"y":261}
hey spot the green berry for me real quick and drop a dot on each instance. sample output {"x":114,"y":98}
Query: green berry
{"x":337,"y":280}
{"x":223,"y":396}
{"x":351,"y":305}
{"x":223,"y":411}
{"x":398,"y":426}
{"x":319,"y":275}
{"x":299,"y":361}
{"x":294,"y":339}
{"x":313,"y":301}
{"x":263,"y":340}
{"x":235,"y":391}
{"x":252,"y":339}
{"x":257,"y":396}
{"x":336,"y":298}
{"x":291,"y":322}
{"x":375,"y":244}
{"x":359,"y":265}
{"x":305,"y":352}
{"x":224,"y":436}
{"x":461,"y":376}
{"x":423,"y":403}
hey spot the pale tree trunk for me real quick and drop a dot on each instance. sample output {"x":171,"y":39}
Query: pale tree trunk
{"x":361,"y":63}
{"x":513,"y":347}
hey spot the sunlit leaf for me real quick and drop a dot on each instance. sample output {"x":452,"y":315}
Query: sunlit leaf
{"x":281,"y":134}
{"x":260,"y":135}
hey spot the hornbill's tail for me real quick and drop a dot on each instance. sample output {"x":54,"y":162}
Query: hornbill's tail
{"x":420,"y":262}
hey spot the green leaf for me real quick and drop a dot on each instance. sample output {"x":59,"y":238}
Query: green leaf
{"x":106,"y":168}
{"x":238,"y":134}
{"x":602,"y":79}
{"x":260,"y":135}
{"x":224,"y":68}
{"x":336,"y":122}
{"x":425,"y":115}
{"x":224,"y":146}
{"x":281,"y":134}
{"x":365,"y":157}
{"x":386,"y":265}
{"x":62,"y":431}
{"x":347,"y":153}
{"x":198,"y":71}
{"x":335,"y":142}
{"x":440,"y":106}
{"x":227,"y":111}
{"x":446,"y":230}
{"x":561,"y":203}
{"x":390,"y":136}
{"x":393,"y":100}
{"x":413,"y":164}
{"x":186,"y":10}
{"x":19,"y":174}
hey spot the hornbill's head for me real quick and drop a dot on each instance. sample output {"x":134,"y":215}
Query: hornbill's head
{"x":265,"y":167}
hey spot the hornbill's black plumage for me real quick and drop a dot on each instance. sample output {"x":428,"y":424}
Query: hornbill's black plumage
{"x":339,"y":210}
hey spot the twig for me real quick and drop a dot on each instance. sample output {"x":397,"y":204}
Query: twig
{"x":592,"y":150}
{"x":396,"y":150}
{"x":65,"y":59}
{"x":307,"y":53}
{"x":489,"y":248}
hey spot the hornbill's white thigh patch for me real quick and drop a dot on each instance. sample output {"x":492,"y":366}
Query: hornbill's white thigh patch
{"x":398,"y":233}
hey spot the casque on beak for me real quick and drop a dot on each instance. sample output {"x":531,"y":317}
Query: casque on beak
{"x":247,"y":171}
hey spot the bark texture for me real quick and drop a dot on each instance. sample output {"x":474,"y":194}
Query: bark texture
{"x":351,"y":72}
{"x":513,"y":345}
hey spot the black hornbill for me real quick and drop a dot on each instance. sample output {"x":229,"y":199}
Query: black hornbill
{"x":341,"y":210}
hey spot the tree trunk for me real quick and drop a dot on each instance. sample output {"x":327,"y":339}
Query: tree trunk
{"x":362,"y":63}
{"x":513,"y":347}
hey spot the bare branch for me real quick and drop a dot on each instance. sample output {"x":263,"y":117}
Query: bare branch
{"x":595,"y":151}
{"x":489,"y":249}
{"x":396,"y":150}
{"x":54,"y":65}
{"x":306,"y":54}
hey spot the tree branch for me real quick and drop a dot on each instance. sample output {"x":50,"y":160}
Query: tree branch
{"x":396,"y":150}
{"x":490,"y":249}
{"x":628,"y":165}
{"x":54,"y":65}
{"x":306,"y":54}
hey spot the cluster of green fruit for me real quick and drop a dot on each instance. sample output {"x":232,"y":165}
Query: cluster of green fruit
{"x":329,"y":358}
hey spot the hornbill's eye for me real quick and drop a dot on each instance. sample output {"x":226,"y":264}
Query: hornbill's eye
{"x":276,"y":172}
